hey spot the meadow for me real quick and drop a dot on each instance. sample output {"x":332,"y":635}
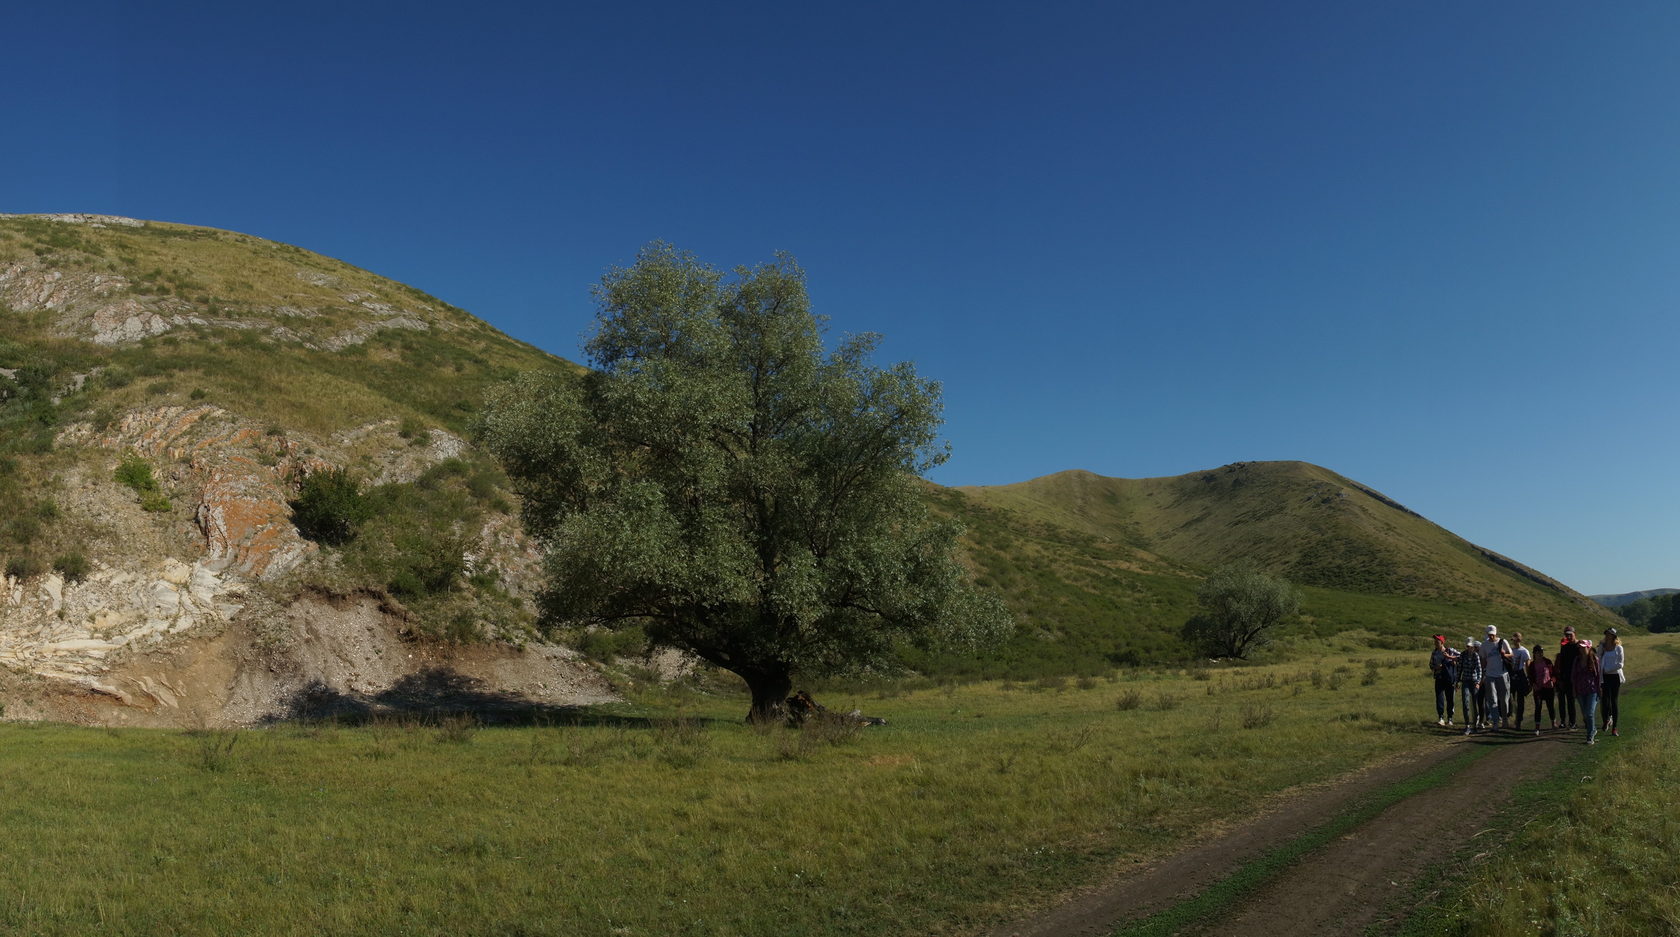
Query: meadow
{"x":666,"y":815}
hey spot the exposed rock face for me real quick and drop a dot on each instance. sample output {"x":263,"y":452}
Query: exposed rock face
{"x":148,"y":628}
{"x":199,"y":599}
{"x":57,"y":629}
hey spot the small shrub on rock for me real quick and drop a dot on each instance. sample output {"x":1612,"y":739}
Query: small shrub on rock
{"x":72,"y":566}
{"x":331,"y":507}
{"x":23,"y":567}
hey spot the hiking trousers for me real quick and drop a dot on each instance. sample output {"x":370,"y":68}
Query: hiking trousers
{"x":1544,"y":698}
{"x":1496,"y":702}
{"x":1444,"y":700}
{"x":1589,"y":710}
{"x":1612,"y":699}
{"x":1566,"y":702}
{"x":1471,"y":704}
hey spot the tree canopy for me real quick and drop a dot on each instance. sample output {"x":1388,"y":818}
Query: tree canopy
{"x":733,"y":487}
{"x":1240,"y":605}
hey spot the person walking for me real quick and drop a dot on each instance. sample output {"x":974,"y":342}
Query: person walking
{"x":1496,"y":688}
{"x":1520,"y":683}
{"x":1567,"y":652}
{"x":1443,"y":663}
{"x":1587,"y":681}
{"x":1610,"y":667}
{"x":1470,"y":685}
{"x":1542,"y":675}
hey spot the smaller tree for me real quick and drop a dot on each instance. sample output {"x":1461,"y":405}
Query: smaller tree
{"x":331,"y":507}
{"x":1240,"y":606}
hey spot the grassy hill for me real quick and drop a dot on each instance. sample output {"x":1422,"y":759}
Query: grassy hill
{"x":1104,"y":569}
{"x":275,"y":332}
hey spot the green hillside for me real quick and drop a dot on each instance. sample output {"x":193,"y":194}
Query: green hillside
{"x":1099,"y":567}
{"x":273,"y":331}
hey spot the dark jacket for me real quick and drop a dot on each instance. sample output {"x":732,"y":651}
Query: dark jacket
{"x":1565,"y":660}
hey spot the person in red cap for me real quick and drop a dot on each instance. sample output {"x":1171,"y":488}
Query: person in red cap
{"x":1443,"y":663}
{"x":1567,"y":652}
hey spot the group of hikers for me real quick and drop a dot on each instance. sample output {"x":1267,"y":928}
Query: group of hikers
{"x":1492,"y":678}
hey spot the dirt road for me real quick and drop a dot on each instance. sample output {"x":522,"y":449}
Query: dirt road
{"x":1348,"y":883}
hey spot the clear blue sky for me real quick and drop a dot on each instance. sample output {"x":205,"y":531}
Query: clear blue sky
{"x":1431,"y":246}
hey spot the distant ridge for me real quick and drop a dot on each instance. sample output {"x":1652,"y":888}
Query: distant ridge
{"x":1628,"y":598}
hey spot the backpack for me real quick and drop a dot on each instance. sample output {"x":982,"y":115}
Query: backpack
{"x":1449,"y":670}
{"x":1519,"y":679}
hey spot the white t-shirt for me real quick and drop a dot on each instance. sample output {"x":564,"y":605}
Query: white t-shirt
{"x":1493,"y":661}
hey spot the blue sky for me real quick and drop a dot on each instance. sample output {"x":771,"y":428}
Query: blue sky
{"x":1432,"y":247}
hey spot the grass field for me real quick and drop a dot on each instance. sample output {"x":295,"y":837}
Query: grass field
{"x":668,"y":816}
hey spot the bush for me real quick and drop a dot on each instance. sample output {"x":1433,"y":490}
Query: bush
{"x":331,"y":508}
{"x":23,"y":567}
{"x":72,"y":566}
{"x":136,"y":473}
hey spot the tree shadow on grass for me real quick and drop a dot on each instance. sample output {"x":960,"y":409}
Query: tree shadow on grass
{"x":439,"y":693}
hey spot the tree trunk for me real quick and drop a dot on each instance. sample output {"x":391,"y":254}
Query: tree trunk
{"x":770,"y":688}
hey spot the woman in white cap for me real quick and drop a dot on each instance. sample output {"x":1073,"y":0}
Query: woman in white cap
{"x":1610,"y":665}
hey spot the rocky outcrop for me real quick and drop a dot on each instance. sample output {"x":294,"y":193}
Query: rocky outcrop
{"x":69,"y":630}
{"x":93,"y":221}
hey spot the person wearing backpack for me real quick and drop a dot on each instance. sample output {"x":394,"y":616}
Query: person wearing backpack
{"x":1470,"y":685}
{"x":1520,"y":684}
{"x":1443,"y":663}
{"x":1496,"y":688}
{"x":1542,"y":673}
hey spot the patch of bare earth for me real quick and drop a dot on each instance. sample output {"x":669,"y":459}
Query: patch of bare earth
{"x":1341,"y":888}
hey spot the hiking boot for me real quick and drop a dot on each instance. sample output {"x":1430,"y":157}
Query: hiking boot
{"x":1440,"y":722}
{"x":1616,"y":733}
{"x":1468,"y":730}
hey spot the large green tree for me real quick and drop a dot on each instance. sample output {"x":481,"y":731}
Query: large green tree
{"x":725,"y":482}
{"x":1240,"y":606}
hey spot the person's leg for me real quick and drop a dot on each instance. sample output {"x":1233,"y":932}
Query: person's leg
{"x":1612,"y":701}
{"x":1467,"y":694}
{"x":1589,"y":703}
{"x":1521,"y":705}
{"x":1566,"y":704}
{"x":1441,"y":697}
